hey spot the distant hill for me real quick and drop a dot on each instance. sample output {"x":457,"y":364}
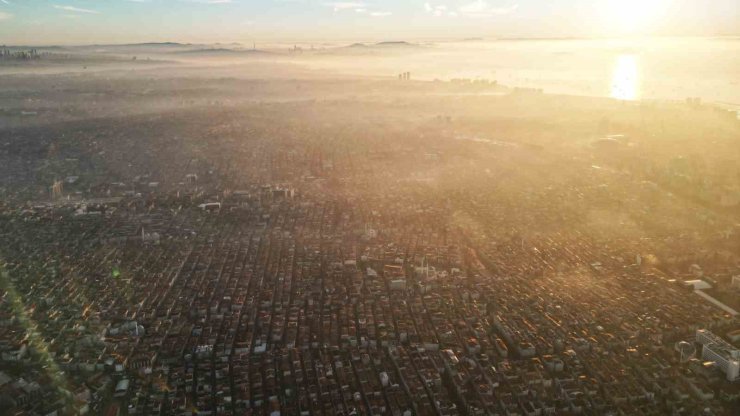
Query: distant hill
{"x":385,"y":44}
{"x":145,"y":45}
{"x":402,"y":43}
{"x":136,"y":48}
{"x":221,"y":51}
{"x":155,"y":44}
{"x":370,"y":48}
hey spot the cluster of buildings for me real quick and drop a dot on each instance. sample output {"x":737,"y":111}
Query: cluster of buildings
{"x":720,"y":352}
{"x":268,"y":301}
{"x":8,"y":54}
{"x":21,"y":55}
{"x":270,"y":279}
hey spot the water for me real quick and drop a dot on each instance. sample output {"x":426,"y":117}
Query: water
{"x":629,"y":69}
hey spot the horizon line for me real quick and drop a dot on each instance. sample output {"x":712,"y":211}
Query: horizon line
{"x":375,"y":41}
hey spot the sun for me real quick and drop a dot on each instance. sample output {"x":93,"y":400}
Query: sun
{"x":634,"y":16}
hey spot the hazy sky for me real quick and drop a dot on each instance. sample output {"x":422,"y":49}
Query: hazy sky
{"x":96,"y":21}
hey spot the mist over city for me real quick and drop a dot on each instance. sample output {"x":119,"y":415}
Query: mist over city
{"x":369,"y":208}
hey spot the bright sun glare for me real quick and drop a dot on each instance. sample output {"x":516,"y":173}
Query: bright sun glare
{"x":635,"y":16}
{"x":625,"y":80}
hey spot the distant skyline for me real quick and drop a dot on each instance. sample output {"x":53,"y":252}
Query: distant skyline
{"x":47,"y":22}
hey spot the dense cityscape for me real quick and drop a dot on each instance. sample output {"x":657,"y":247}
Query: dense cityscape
{"x":180,"y":246}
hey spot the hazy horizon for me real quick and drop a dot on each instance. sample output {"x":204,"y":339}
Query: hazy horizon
{"x":623,"y":68}
{"x":277,"y":43}
{"x":66,"y":22}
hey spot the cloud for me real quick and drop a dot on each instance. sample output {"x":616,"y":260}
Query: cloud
{"x":439,"y":10}
{"x":374,"y":13}
{"x":75,"y":9}
{"x":481,"y":9}
{"x":5,"y":16}
{"x":357,"y":7}
{"x":4,"y":1}
{"x":345,"y":5}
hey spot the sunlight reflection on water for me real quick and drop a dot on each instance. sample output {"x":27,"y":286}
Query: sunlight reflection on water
{"x":625,"y":79}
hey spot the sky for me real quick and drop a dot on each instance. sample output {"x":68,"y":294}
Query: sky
{"x":58,"y":22}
